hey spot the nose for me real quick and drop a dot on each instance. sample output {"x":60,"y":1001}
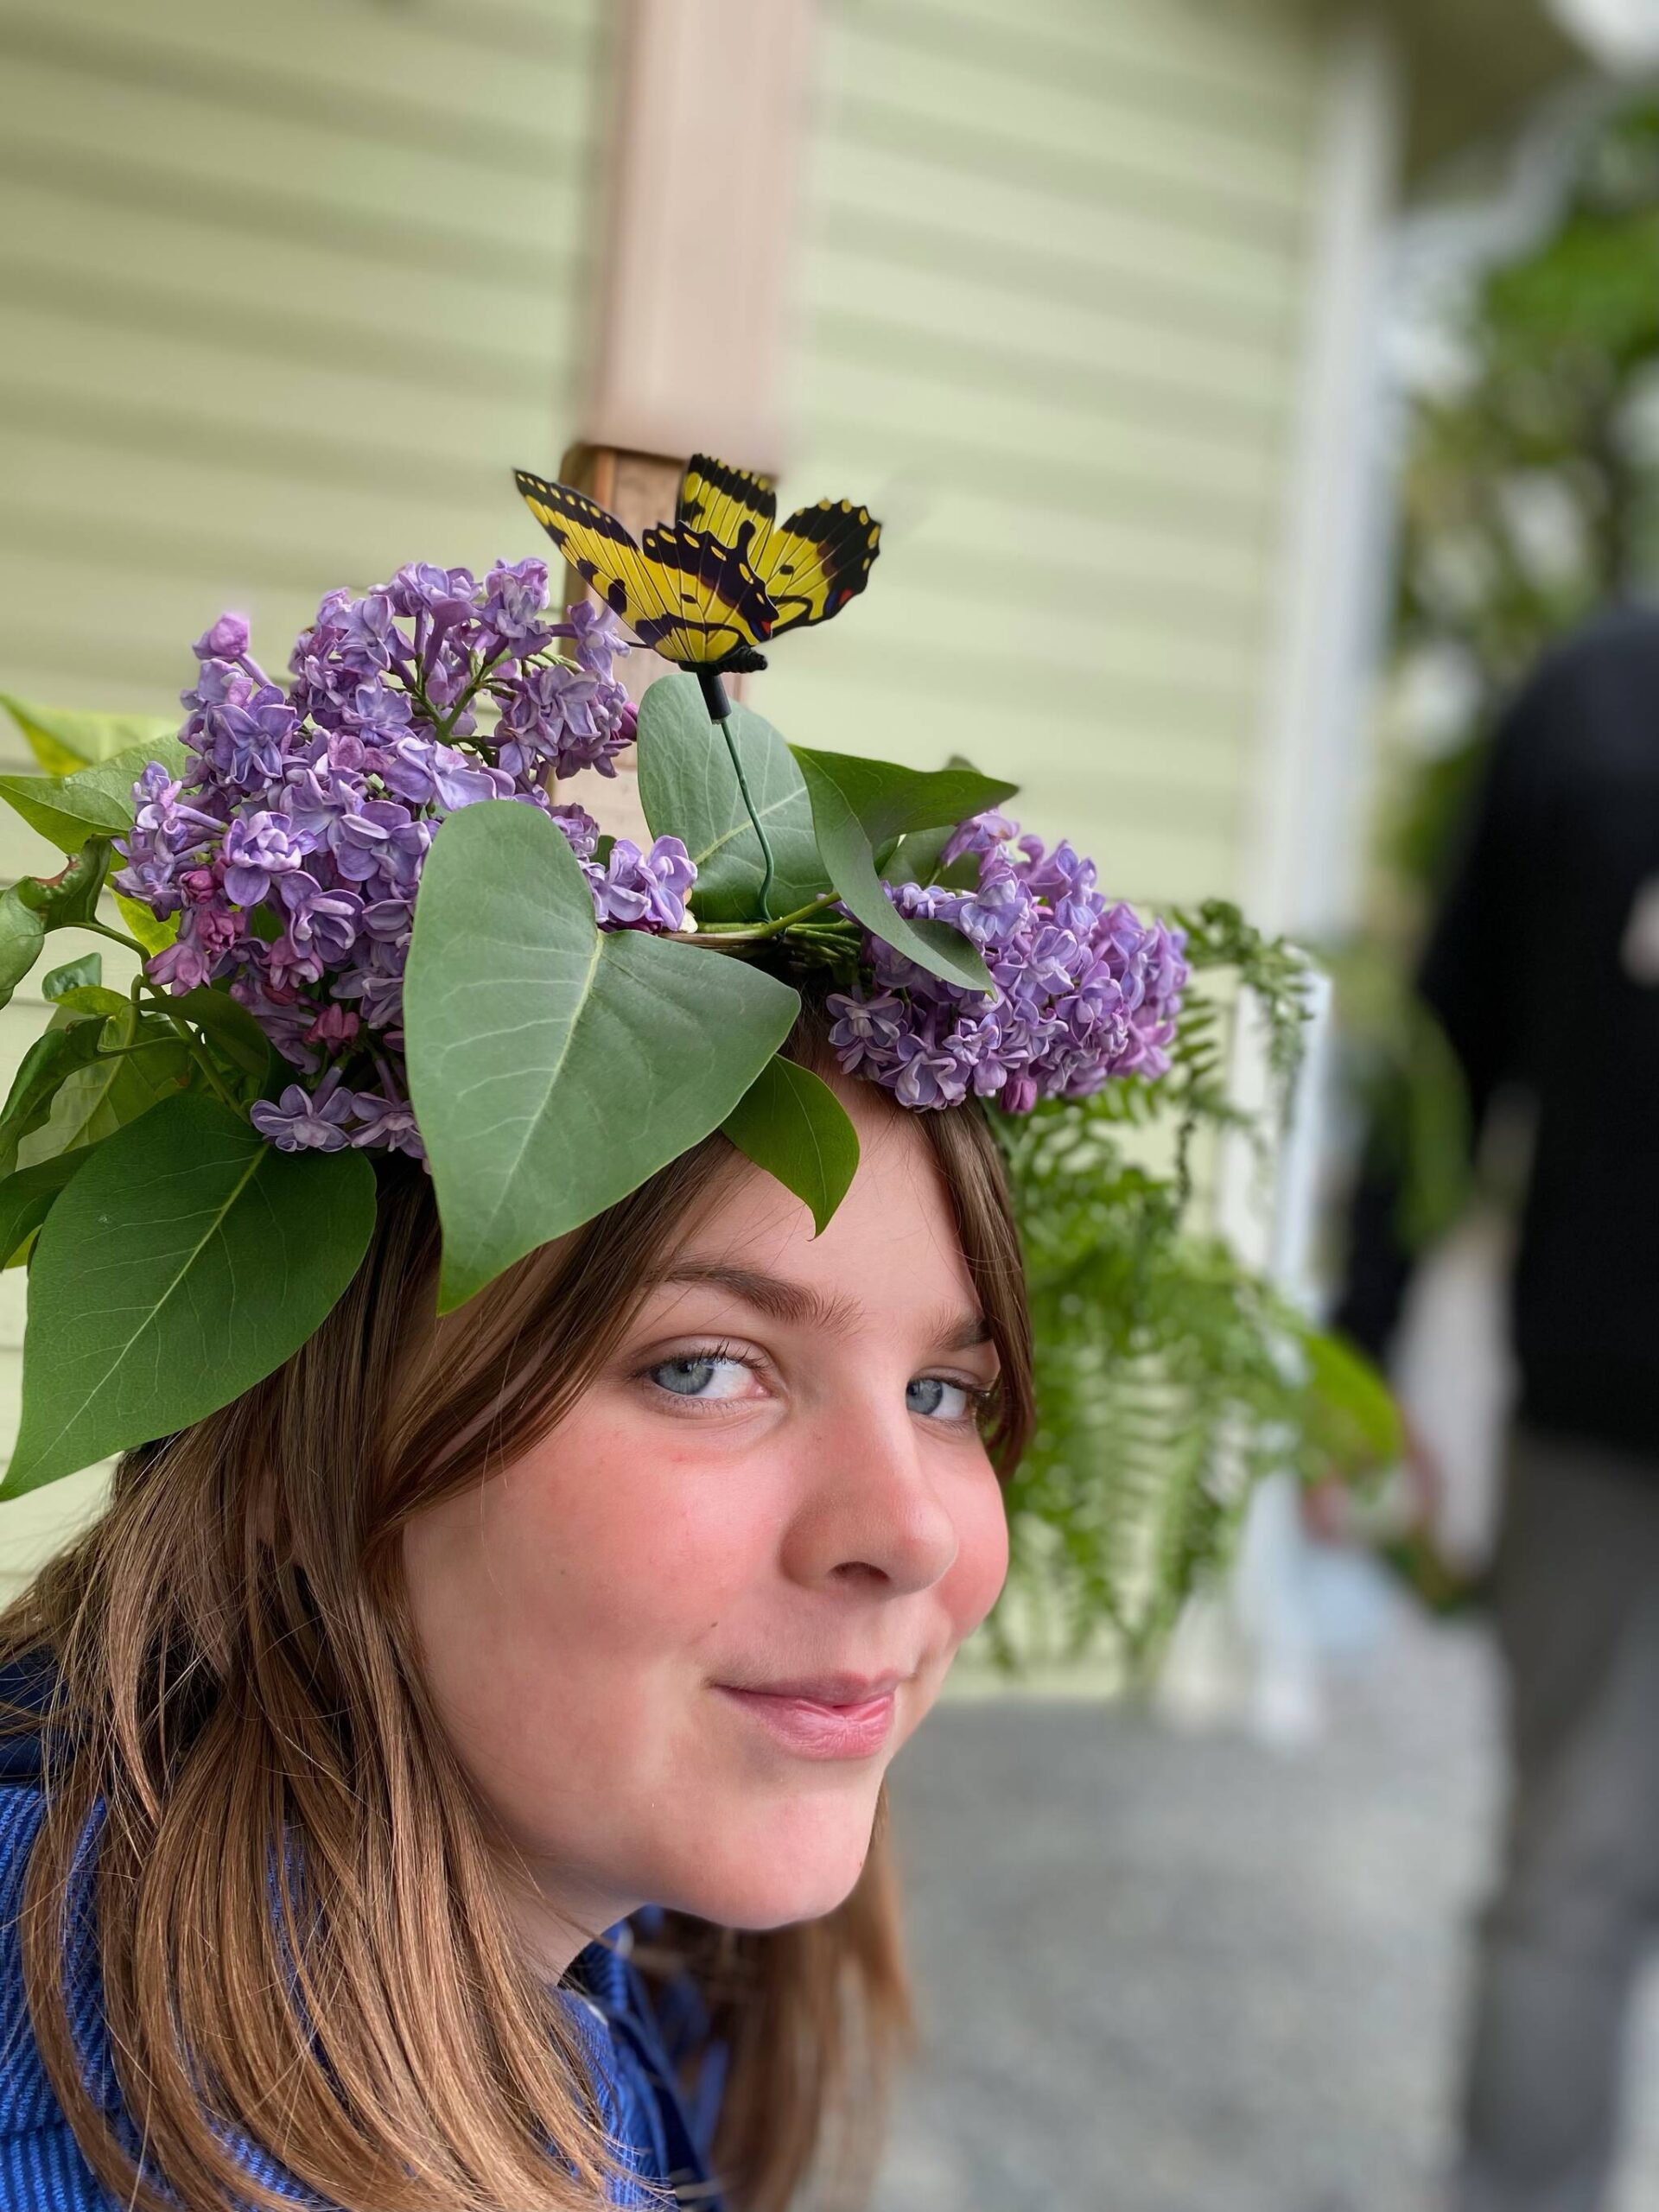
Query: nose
{"x":873,"y":1512}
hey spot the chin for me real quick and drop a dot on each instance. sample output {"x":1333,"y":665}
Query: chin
{"x":768,"y":1873}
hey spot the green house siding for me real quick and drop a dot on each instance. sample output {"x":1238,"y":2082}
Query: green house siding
{"x":287,"y":293}
{"x":1052,"y":311}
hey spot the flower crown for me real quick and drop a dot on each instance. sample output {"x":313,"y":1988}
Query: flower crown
{"x":546,"y":1015}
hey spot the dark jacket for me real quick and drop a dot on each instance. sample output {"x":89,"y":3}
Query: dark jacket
{"x":1528,"y":971}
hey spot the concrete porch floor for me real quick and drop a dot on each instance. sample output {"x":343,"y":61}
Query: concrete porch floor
{"x":1176,"y":1973}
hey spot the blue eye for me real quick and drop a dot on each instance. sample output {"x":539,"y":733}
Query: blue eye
{"x":690,"y":1378}
{"x":928,"y":1393}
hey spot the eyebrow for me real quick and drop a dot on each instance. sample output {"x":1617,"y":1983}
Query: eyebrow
{"x":795,"y":1303}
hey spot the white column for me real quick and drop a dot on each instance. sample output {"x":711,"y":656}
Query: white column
{"x":1305,"y":844}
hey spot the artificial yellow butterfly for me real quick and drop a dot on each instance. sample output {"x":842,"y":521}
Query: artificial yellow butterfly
{"x":811,"y":563}
{"x":709,"y":588}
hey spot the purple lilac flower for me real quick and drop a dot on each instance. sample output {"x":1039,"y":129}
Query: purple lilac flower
{"x":258,"y":848}
{"x":596,"y":634}
{"x":387,"y":1123}
{"x":515,"y":607}
{"x":303,"y":1120}
{"x":636,"y":890}
{"x":1085,"y":989}
{"x":290,"y":850}
{"x":556,"y":718}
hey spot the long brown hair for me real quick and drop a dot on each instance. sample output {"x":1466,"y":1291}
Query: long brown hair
{"x":378,"y":2031}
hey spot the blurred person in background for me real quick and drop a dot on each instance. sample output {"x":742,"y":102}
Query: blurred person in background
{"x":1542,"y":968}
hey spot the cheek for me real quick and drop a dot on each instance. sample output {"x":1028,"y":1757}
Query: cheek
{"x":980,"y":1567}
{"x":605,"y":1545}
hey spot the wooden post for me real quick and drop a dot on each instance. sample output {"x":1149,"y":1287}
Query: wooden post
{"x":690,"y":319}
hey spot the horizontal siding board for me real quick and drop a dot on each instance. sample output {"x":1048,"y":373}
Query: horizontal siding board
{"x":1167,"y":588}
{"x":1200,"y":690}
{"x":1125,"y":483}
{"x":882,"y":193}
{"x":226,"y":46}
{"x":163,"y":462}
{"x":1112,"y":268}
{"x":251,"y":216}
{"x":1248,"y":62}
{"x":351,"y":413}
{"x":297,"y":109}
{"x":1089,"y":135}
{"x":1053,"y":312}
{"x":487,"y":344}
{"x":1057,"y":344}
{"x":1133,"y":449}
{"x":1111,"y":771}
{"x":1008,"y":162}
{"x":197,"y":143}
{"x":1104,"y":384}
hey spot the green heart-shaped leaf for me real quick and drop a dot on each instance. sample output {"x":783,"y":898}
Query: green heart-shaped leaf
{"x":859,"y":804}
{"x":93,"y":801}
{"x":53,"y":1056}
{"x":789,"y":1122}
{"x":94,"y":1100}
{"x":28,"y":1197}
{"x":63,"y":741}
{"x":22,"y":932}
{"x":689,"y":789}
{"x":185,"y":1261}
{"x":553,"y":1066}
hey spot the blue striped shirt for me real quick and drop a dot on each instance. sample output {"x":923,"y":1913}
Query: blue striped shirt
{"x":632,"y":2040}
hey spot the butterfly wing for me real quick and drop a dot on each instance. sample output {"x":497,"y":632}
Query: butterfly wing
{"x":602,"y":553}
{"x":817,"y":560}
{"x":680,"y":591}
{"x":715,"y":611}
{"x":733,"y":505}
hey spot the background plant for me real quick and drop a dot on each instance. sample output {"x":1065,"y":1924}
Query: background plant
{"x":1529,"y":501}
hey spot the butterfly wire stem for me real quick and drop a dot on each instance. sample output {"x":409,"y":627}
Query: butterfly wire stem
{"x":720,"y":713}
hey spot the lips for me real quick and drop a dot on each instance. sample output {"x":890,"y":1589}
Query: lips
{"x":829,"y":1716}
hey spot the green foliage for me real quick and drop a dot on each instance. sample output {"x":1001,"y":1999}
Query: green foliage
{"x":789,"y":1122}
{"x":553,"y":1065}
{"x":28,"y":1197}
{"x":62,"y":1052}
{"x":860,"y":804}
{"x":94,"y":802}
{"x":22,"y":934}
{"x":1170,"y":1378}
{"x":689,"y":789}
{"x":215,"y":1255}
{"x":63,"y":741}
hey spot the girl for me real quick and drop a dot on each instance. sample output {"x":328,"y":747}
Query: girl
{"x":565,"y":1643}
{"x":449,"y":1776}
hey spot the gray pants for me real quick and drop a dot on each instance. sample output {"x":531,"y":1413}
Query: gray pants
{"x":1578,"y":1620}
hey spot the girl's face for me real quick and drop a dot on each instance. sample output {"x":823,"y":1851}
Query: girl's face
{"x":678,"y":1641}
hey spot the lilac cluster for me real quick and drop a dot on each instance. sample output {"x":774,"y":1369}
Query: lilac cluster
{"x":291,"y":852}
{"x":1087,"y":990}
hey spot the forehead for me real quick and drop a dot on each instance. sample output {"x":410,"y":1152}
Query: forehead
{"x":892,"y":1245}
